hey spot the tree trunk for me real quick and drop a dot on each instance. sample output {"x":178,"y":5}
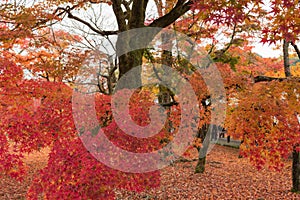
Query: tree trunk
{"x":130,"y":44}
{"x":296,"y":155}
{"x":296,"y":171}
{"x":130,"y":48}
{"x":200,"y":167}
{"x":205,"y":135}
{"x":127,"y":62}
{"x":166,"y":60}
{"x":286,"y":61}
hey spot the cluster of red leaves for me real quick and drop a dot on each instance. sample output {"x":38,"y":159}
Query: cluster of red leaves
{"x":73,"y":173}
{"x":32,"y":114}
{"x":11,"y":163}
{"x":36,"y":114}
{"x":226,"y":12}
{"x":139,"y":109}
{"x":283,"y":21}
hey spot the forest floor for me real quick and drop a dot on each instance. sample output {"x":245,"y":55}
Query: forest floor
{"x":226,"y":177}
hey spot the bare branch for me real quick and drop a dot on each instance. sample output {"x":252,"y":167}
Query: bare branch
{"x":44,"y":21}
{"x":231,"y":40}
{"x":180,"y":8}
{"x":71,"y":16}
{"x":296,"y":49}
{"x":127,"y":6}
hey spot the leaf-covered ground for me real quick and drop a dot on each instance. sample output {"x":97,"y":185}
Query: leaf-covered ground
{"x":11,"y":189}
{"x":226,"y":177}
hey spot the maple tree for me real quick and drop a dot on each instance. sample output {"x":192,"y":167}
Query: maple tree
{"x":26,"y":127}
{"x":263,"y":113}
{"x":284,"y":20}
{"x":270,"y":123}
{"x":208,"y":20}
{"x":36,"y":113}
{"x":274,"y":30}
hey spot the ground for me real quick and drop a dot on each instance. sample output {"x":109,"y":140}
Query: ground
{"x":226,"y":177}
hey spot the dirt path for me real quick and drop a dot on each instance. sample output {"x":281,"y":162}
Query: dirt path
{"x":12,"y":189}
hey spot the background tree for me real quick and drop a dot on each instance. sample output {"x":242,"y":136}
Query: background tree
{"x":230,"y":29}
{"x":282,"y":26}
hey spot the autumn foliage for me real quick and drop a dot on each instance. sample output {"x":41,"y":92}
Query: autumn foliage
{"x":71,"y":171}
{"x":39,"y":66}
{"x":265,"y":119}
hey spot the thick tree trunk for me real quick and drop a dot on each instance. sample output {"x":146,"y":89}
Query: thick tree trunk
{"x":130,"y":45}
{"x":166,"y":60}
{"x":296,"y":171}
{"x":131,"y":15}
{"x":130,"y":48}
{"x":127,"y":62}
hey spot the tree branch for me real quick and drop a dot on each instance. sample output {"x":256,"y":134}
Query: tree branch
{"x":137,"y":15}
{"x":180,"y":8}
{"x":44,"y":21}
{"x":258,"y":79}
{"x":120,"y":15}
{"x":267,"y":79}
{"x":126,"y":4}
{"x":231,"y":39}
{"x":296,"y":49}
{"x":71,"y":16}
{"x":219,"y":54}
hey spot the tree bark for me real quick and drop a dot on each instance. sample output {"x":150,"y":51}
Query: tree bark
{"x":204,"y":135}
{"x":167,"y":60}
{"x":127,"y":62}
{"x":296,"y":171}
{"x":132,"y":18}
{"x":286,"y":62}
{"x":200,"y":167}
{"x":296,"y":155}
